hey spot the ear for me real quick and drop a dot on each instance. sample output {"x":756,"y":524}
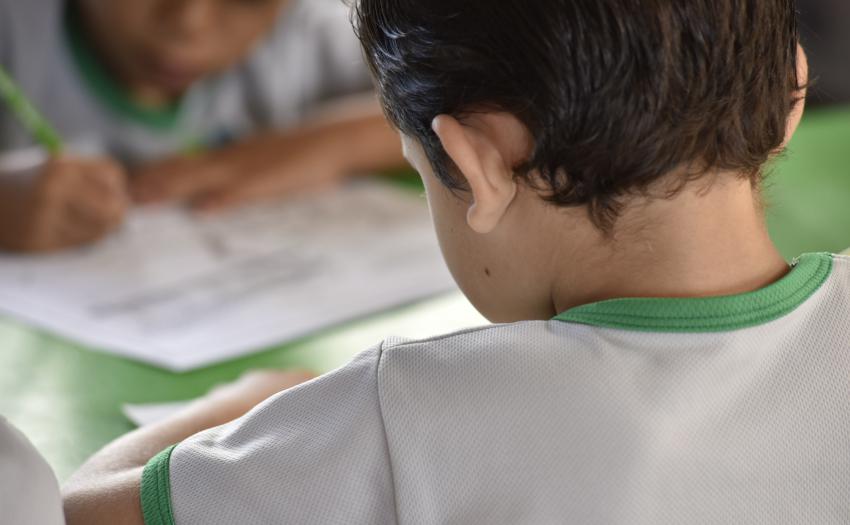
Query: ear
{"x":803,"y":79}
{"x":485,"y":149}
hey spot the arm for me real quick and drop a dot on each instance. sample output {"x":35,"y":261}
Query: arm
{"x":365,"y":141}
{"x":349,"y":138}
{"x":106,"y":489}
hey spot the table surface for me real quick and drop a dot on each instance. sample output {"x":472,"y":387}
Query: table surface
{"x":68,"y":399}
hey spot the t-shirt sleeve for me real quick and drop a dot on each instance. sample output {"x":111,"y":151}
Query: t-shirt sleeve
{"x":5,"y":45}
{"x":311,"y":58}
{"x":314,"y":454}
{"x":342,"y":65}
{"x":29,"y":492}
{"x":6,"y":63}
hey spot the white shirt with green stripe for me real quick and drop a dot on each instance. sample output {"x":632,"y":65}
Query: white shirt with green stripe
{"x":633,"y":411}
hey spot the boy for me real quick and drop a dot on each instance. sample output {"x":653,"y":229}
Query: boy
{"x":598,"y":162}
{"x":211,"y":101}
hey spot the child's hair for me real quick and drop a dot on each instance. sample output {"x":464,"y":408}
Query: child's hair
{"x":616,"y":93}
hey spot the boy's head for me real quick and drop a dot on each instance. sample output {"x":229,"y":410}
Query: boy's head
{"x":168,"y":45}
{"x":584,"y":103}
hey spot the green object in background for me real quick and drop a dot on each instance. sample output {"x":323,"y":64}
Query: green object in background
{"x":808,"y":191}
{"x":32,"y":120}
{"x":68,"y":399}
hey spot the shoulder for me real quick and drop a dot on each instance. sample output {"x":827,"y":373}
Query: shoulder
{"x":311,"y":55}
{"x":293,"y":454}
{"x":29,"y":492}
{"x":499,"y":342}
{"x":316,"y":12}
{"x":31,"y":12}
{"x":474,"y":362}
{"x":27,"y":30}
{"x":834,"y":271}
{"x":841,"y":270}
{"x":309,"y":21}
{"x":323,"y":401}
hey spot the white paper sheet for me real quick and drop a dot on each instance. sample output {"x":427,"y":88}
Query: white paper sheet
{"x":181,"y":291}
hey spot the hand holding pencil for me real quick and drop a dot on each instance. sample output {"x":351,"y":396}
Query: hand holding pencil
{"x":72,"y":201}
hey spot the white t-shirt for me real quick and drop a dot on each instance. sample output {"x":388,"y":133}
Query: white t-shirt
{"x":29,"y":493}
{"x":310,"y":57}
{"x":634,"y":411}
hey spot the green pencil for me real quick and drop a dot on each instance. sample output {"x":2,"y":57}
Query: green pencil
{"x":20,"y":105}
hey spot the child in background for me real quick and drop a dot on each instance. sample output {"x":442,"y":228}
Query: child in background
{"x":216,"y":102}
{"x":594,"y":174}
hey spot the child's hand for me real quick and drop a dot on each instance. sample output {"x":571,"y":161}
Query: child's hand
{"x":71,"y":203}
{"x":235,"y":399}
{"x":262,"y":168}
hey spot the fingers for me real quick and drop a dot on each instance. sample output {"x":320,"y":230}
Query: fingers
{"x":103,"y":197}
{"x":105,"y":177}
{"x":274,"y":184}
{"x":254,"y":387}
{"x":277,"y":378}
{"x":159,"y":181}
{"x":230,"y":196}
{"x":177,"y":179}
{"x":84,"y":223}
{"x":77,"y":202}
{"x":260,"y":384}
{"x":260,"y":168}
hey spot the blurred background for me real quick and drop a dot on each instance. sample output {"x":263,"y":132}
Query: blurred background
{"x":808,"y":193}
{"x":825,"y":26}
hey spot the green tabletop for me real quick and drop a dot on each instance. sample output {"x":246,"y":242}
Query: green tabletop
{"x":68,"y":399}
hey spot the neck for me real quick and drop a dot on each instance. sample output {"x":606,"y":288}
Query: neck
{"x":706,"y":241}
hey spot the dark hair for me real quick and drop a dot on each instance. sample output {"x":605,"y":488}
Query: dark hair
{"x":617,"y":93}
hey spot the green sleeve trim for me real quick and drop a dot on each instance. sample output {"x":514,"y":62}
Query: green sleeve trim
{"x":710,"y":314}
{"x":105,"y":88}
{"x":156,"y":490}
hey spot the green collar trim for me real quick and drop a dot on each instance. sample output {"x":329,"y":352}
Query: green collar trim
{"x":710,"y":314}
{"x":105,"y":88}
